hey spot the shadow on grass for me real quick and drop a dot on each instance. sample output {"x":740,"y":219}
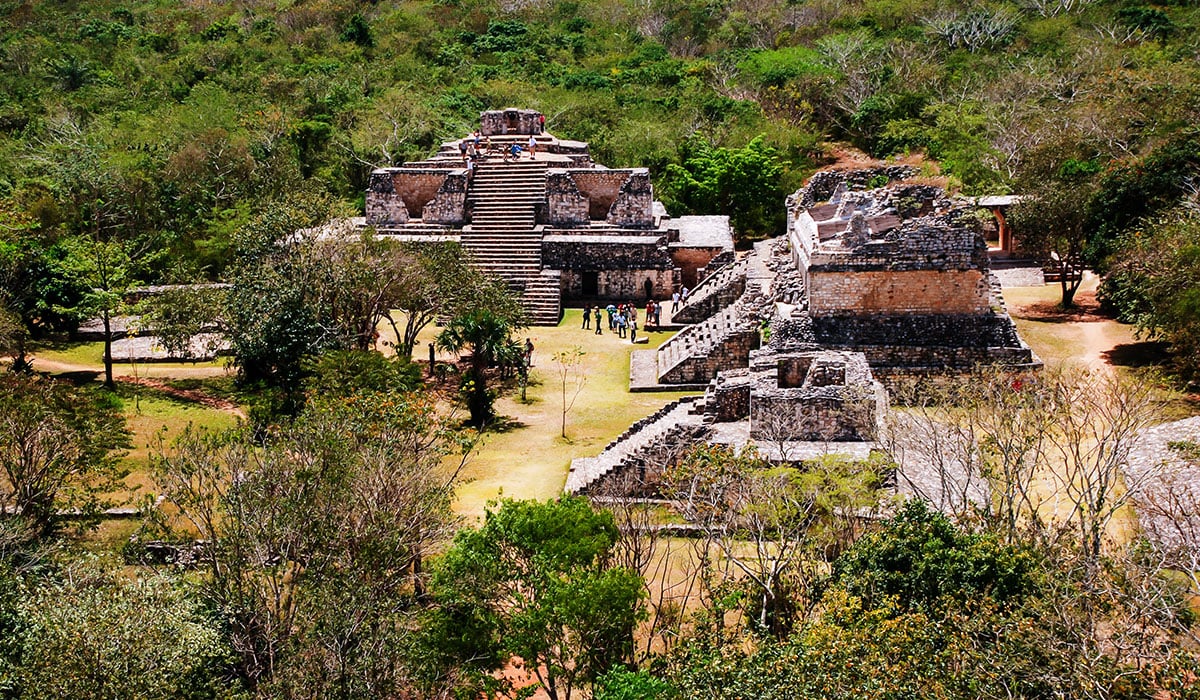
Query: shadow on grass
{"x":505,"y":424}
{"x":79,"y":378}
{"x":1145,"y":354}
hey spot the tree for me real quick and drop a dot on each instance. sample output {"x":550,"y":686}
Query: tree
{"x":105,"y":267}
{"x":745,"y":184}
{"x":765,"y":528}
{"x":316,"y":535}
{"x":96,"y":635}
{"x":571,"y":379}
{"x":487,"y":336}
{"x":1051,"y":223}
{"x":537,"y":582}
{"x":1152,"y":283}
{"x":59,"y":449}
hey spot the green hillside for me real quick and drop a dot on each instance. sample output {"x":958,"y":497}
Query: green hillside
{"x":172,"y":119}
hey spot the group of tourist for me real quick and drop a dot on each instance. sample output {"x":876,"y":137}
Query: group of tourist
{"x":622,"y":318}
{"x":474,"y":148}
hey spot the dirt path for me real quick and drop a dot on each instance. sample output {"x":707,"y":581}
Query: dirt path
{"x":214,"y":402}
{"x":1082,"y":336}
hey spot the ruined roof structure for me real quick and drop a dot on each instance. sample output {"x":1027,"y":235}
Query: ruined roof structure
{"x":901,"y":274}
{"x":555,"y":226}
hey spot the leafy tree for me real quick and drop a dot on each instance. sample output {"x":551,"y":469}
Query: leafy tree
{"x":1051,"y":222}
{"x":744,"y":183}
{"x":59,"y":449}
{"x":106,"y":270}
{"x":1153,"y":282}
{"x":537,"y":582}
{"x":316,"y":534}
{"x":349,"y":372}
{"x":95,"y":635}
{"x":923,"y":562}
{"x":487,"y":336}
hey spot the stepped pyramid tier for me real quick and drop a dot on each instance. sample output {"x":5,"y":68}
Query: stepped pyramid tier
{"x":899,"y":273}
{"x":550,"y":221}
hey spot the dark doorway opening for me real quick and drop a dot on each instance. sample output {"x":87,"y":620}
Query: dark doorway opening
{"x":591,"y":284}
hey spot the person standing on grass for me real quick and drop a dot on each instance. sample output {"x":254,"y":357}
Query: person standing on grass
{"x":612,"y":317}
{"x":598,"y":317}
{"x":633,"y":330}
{"x":657,"y":314}
{"x":649,"y":312}
{"x":528,"y":352}
{"x":620,"y":324}
{"x":587,"y":317}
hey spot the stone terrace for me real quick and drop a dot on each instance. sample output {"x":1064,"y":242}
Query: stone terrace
{"x":554,"y":224}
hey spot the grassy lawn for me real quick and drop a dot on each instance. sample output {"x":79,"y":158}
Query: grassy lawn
{"x":527,"y":457}
{"x":153,"y":416}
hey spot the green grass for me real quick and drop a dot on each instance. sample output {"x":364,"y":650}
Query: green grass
{"x":155,"y":417}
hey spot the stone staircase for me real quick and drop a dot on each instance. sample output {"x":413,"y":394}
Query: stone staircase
{"x":719,"y":290}
{"x":649,"y":443}
{"x":695,"y":354}
{"x":503,"y":238}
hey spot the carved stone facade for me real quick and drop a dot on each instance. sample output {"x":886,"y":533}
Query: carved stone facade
{"x":598,"y":229}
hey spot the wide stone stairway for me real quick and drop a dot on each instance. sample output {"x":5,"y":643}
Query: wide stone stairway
{"x":503,"y":239}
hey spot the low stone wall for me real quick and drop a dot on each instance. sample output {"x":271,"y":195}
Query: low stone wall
{"x":620,"y":285}
{"x":634,"y":205}
{"x":448,"y":205}
{"x":566,"y":204}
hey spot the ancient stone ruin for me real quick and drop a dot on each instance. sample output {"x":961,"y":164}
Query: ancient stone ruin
{"x":878,"y":278}
{"x":553,"y":223}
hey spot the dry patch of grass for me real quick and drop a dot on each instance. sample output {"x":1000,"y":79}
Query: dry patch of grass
{"x":526,"y":457}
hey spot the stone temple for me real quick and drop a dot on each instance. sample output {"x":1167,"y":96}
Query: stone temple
{"x":553,"y":223}
{"x":878,"y":279}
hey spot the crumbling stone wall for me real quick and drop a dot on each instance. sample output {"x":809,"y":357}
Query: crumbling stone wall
{"x":383,"y":206}
{"x":566,"y":203}
{"x":601,"y":188}
{"x":509,"y":121}
{"x":448,"y":205}
{"x":620,"y":285}
{"x":634,"y":205}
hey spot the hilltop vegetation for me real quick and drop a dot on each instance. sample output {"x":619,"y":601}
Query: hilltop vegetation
{"x":170,"y":121}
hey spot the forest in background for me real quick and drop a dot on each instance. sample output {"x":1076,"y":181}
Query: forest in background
{"x":174,"y":121}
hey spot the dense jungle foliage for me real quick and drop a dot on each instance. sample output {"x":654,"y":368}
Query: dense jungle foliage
{"x":169,"y":122}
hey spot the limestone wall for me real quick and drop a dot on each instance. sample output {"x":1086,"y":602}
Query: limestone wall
{"x":620,"y":285}
{"x":634,"y":205}
{"x":383,"y":205}
{"x":509,"y":121}
{"x":566,"y":203}
{"x":913,"y":292}
{"x":601,"y":188}
{"x":448,"y":205}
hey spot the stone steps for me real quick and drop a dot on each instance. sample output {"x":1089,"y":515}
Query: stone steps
{"x":645,"y":438}
{"x":502,"y":240}
{"x":721,"y":288}
{"x":690,"y":356}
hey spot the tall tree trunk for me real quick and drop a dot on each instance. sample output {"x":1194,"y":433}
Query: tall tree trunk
{"x":108,"y":372}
